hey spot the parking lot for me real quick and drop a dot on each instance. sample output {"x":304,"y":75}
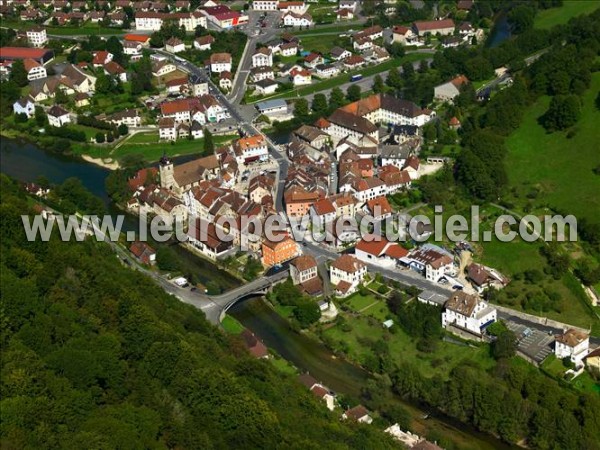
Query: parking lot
{"x":533,"y":343}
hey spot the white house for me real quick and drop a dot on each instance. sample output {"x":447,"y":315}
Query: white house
{"x":326,"y":70}
{"x":34,"y":69}
{"x":573,"y":344}
{"x":174,"y":45}
{"x":358,"y":413}
{"x":379,"y":251}
{"x":288,"y":49}
{"x":204,"y":42}
{"x":225,"y":80}
{"x":162,"y":68}
{"x":37,"y":37}
{"x":220,"y":62}
{"x":57,"y":116}
{"x":403,"y":35}
{"x":346,"y":273}
{"x":339,"y":53}
{"x":24,"y":106}
{"x":266,"y":86}
{"x":468,"y":312}
{"x":448,"y":91}
{"x":303,"y":269}
{"x":300,"y":77}
{"x":250,"y":149}
{"x":432,"y":263}
{"x":166,"y":129}
{"x":262,"y":57}
{"x":292,"y":19}
{"x":265,"y":5}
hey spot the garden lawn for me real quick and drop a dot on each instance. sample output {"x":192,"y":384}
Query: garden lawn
{"x":570,"y":8}
{"x":328,"y":29}
{"x":357,"y":301}
{"x":560,"y":168}
{"x":512,"y":258}
{"x":231,"y":325}
{"x":283,"y":366}
{"x":403,"y":348}
{"x":152,"y":149}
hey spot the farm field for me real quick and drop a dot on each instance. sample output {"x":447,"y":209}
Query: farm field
{"x":548,"y":18}
{"x":558,"y":168}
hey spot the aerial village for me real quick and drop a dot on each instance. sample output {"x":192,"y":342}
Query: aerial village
{"x":346,"y":164}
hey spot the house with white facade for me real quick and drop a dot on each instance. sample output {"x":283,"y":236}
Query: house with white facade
{"x":292,"y":19}
{"x":34,"y":69}
{"x":303,"y":269}
{"x":430,"y":262}
{"x":220,"y":62}
{"x":573,"y":344}
{"x":266,"y":86}
{"x":326,"y":70}
{"x":446,"y":92}
{"x":37,"y":37}
{"x":359,"y":414}
{"x":468,"y":312}
{"x":57,"y":116}
{"x":289,"y":49}
{"x":166,"y":129}
{"x":346,"y":273}
{"x":174,"y":45}
{"x":24,"y":106}
{"x":204,"y":42}
{"x":265,"y":5}
{"x":262,"y":57}
{"x":377,"y":250}
{"x":250,"y":149}
{"x":300,"y":77}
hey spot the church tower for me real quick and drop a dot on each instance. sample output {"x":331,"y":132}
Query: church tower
{"x":167,"y":180}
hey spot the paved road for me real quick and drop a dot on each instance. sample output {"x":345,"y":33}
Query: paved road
{"x":365,"y":84}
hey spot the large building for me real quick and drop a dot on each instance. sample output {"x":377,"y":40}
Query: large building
{"x":153,"y":21}
{"x":181,"y":178}
{"x":442,"y":27}
{"x":41,"y":55}
{"x":572,"y":344}
{"x":275,"y":253}
{"x":468,"y":312}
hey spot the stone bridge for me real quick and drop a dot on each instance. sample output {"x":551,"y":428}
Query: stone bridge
{"x":219,"y":304}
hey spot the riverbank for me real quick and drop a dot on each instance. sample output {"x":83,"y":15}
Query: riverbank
{"x":308,"y":354}
{"x":112,"y":165}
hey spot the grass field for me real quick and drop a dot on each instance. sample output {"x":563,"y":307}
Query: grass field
{"x":358,"y":302}
{"x":328,"y":29}
{"x":231,"y":325}
{"x":560,"y":169}
{"x":513,"y":258}
{"x":148,"y":145}
{"x":571,"y":8}
{"x":403,"y":348}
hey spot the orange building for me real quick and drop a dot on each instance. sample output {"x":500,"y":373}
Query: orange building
{"x":298,"y":201}
{"x":278,"y":252}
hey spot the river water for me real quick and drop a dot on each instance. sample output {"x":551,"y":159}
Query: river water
{"x":26,"y":162}
{"x":500,"y":32}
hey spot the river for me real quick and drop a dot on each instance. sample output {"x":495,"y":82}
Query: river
{"x":500,"y":32}
{"x":26,"y":162}
{"x":343,"y":377}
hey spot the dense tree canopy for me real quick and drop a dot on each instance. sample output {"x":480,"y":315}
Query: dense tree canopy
{"x":97,"y":356}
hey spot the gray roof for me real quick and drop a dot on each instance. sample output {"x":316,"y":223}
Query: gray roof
{"x":395,"y":151}
{"x":269,"y":104}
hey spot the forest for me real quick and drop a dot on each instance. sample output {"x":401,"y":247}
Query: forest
{"x":97,"y":356}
